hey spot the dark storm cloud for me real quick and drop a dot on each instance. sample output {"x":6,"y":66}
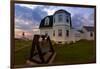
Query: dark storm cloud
{"x":31,"y":14}
{"x":38,"y":13}
{"x":25,"y":15}
{"x":78,"y":21}
{"x":23,"y":12}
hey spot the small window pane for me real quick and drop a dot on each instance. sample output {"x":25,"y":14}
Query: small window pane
{"x":67,"y":20}
{"x":91,"y":34}
{"x":47,"y":21}
{"x":67,"y":33}
{"x":54,"y":33}
{"x":59,"y":32}
{"x":60,"y":18}
{"x":53,"y":20}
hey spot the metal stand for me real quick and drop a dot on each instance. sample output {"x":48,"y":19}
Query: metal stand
{"x":42,"y":51}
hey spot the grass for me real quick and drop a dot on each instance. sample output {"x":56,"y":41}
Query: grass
{"x":22,"y":49}
{"x":80,"y":52}
{"x":21,"y":56}
{"x":21,"y":43}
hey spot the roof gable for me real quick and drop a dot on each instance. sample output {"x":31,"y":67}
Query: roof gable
{"x":42,"y":24}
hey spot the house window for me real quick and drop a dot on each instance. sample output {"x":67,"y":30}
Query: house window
{"x":47,"y":21}
{"x":67,"y":33}
{"x":46,"y":33}
{"x":91,"y":34}
{"x":60,"y":18}
{"x":67,"y":20}
{"x":59,"y":32}
{"x":54,"y":20}
{"x":54,"y":33}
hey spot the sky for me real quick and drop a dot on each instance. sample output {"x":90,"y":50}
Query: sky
{"x":28,"y":17}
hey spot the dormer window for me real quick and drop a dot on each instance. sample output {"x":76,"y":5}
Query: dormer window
{"x":47,"y":21}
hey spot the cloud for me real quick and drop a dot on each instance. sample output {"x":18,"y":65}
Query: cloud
{"x":26,"y":18}
{"x":78,"y":21}
{"x":26,"y":5}
{"x":24,"y":25}
{"x":38,"y":13}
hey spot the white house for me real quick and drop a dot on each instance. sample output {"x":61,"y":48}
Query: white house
{"x":88,"y":33}
{"x":59,"y":27}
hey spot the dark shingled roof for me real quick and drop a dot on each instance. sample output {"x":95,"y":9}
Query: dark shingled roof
{"x":61,"y":10}
{"x":89,"y":28}
{"x":42,"y":24}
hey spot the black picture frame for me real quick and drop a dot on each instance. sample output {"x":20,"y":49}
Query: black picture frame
{"x":42,"y":3}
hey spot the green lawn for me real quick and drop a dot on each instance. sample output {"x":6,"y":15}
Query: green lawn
{"x":80,"y":52}
{"x":22,"y":49}
{"x":22,"y":43}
